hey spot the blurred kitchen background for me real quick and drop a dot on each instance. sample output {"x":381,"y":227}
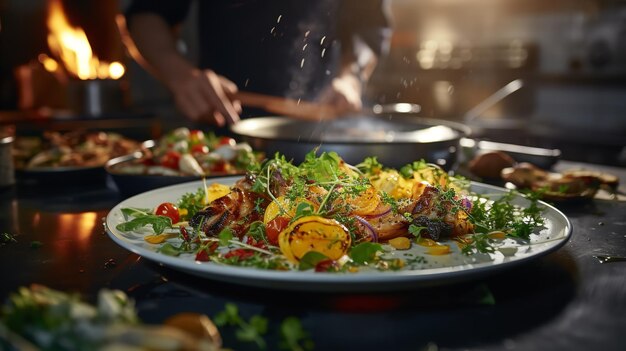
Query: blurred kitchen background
{"x":559,"y":67}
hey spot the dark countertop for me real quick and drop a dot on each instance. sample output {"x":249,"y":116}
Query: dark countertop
{"x":566,"y":300}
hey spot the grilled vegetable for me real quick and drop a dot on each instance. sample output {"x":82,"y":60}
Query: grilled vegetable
{"x":314,"y":233}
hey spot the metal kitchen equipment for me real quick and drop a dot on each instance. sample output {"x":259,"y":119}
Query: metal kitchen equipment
{"x":395,"y":138}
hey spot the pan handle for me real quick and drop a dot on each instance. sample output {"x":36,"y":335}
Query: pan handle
{"x":493,"y":99}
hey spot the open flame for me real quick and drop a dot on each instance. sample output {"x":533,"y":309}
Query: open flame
{"x":71,"y":45}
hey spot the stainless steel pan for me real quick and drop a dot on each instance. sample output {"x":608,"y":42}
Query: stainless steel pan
{"x":396,"y":138}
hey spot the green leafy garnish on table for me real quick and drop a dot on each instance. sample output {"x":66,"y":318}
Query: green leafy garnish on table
{"x":7,"y":238}
{"x":293,"y":336}
{"x":251,"y":330}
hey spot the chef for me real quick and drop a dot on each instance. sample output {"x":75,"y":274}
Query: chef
{"x":322,"y":50}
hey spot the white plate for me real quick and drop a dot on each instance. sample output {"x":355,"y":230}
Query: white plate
{"x":436,"y":270}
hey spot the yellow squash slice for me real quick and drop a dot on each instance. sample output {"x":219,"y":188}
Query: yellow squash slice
{"x":314,"y":233}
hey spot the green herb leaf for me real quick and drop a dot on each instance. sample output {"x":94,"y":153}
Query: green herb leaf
{"x":158,"y":223}
{"x":311,"y":259}
{"x":169,"y":250}
{"x":251,"y":331}
{"x":225,"y":236}
{"x":303,"y":209}
{"x":192,"y":202}
{"x":229,"y":316}
{"x":35,"y":244}
{"x":293,"y":337}
{"x":416,"y":230}
{"x":257,"y":231}
{"x":365,"y":252}
{"x":130,"y":212}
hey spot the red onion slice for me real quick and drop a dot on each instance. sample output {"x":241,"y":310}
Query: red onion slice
{"x":467,"y":203}
{"x":378,"y":215}
{"x":372,"y":232}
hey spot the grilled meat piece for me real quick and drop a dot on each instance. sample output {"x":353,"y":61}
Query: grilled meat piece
{"x":236,"y":211}
{"x":443,"y":218}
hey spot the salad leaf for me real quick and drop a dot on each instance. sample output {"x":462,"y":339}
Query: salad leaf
{"x":311,"y":259}
{"x":192,"y":202}
{"x":324,"y":168}
{"x":130,"y":212}
{"x":365,"y":252}
{"x":158,"y":223}
{"x":303,"y":209}
{"x":225,"y":236}
{"x":257,"y":231}
{"x":169,"y":250}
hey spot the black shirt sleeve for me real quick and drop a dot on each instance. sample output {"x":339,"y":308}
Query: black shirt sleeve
{"x":368,"y":20}
{"x":172,"y":11}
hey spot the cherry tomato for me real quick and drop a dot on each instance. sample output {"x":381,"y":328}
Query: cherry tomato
{"x":227,"y":141}
{"x":274,"y":227}
{"x":327,"y":266}
{"x":196,"y":136}
{"x":168,"y":209}
{"x":200,"y":149}
{"x":170,"y":159}
{"x":204,"y":253}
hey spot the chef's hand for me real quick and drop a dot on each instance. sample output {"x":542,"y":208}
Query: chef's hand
{"x":203,"y":95}
{"x":343,"y":94}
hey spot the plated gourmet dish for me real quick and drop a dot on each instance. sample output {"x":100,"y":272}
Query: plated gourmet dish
{"x":185,"y":152}
{"x":70,"y":150}
{"x":328,"y":216}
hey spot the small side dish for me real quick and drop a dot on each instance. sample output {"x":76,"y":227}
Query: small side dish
{"x":75,"y":149}
{"x":184,"y":152}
